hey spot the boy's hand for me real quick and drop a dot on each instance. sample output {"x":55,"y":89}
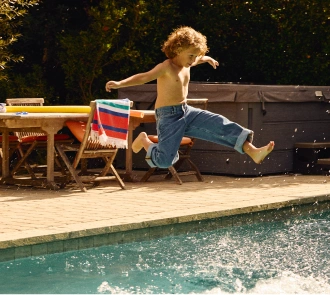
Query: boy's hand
{"x":213,"y":63}
{"x":111,"y":85}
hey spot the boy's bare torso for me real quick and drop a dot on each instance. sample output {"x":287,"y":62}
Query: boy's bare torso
{"x":172,"y":85}
{"x":172,"y":76}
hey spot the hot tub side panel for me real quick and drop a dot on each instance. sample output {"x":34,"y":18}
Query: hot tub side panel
{"x":284,"y":114}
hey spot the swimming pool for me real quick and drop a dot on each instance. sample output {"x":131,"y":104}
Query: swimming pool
{"x":282,"y":257}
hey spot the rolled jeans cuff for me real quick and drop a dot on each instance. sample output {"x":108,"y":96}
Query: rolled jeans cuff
{"x":148,"y":156}
{"x":150,"y":153}
{"x":246,"y":135}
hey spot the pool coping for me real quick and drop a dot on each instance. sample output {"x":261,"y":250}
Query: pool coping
{"x":157,"y":228}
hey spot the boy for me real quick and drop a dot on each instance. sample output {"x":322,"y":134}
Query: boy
{"x":185,"y":48}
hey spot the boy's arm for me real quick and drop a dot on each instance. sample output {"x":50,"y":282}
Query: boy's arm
{"x":137,"y":79}
{"x":204,"y":59}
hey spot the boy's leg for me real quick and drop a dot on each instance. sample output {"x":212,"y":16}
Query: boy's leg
{"x":218,"y":129}
{"x":175,"y":122}
{"x":170,"y":130}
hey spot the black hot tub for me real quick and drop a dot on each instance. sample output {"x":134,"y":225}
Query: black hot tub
{"x":285,"y":114}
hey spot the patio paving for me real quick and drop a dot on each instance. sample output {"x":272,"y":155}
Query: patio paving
{"x":33,"y":218}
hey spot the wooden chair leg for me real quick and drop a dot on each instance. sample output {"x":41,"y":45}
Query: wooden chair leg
{"x":176,"y":166}
{"x":175,"y":174}
{"x":83,"y":166}
{"x":59,"y":164}
{"x":108,"y":161}
{"x":195,"y":168}
{"x":148,"y":174}
{"x":23,"y":160}
{"x":109,"y":166}
{"x":70,"y":168}
{"x":115,"y":173}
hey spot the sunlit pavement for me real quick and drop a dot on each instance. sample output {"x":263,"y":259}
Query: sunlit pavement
{"x":30,"y":215}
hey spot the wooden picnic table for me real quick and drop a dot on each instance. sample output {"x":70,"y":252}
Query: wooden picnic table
{"x":51,"y":123}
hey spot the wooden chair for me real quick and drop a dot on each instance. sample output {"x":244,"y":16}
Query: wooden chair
{"x":87,"y":149}
{"x":30,"y":141}
{"x":184,"y":153}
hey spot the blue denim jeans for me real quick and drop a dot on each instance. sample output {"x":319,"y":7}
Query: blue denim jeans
{"x":174,"y":122}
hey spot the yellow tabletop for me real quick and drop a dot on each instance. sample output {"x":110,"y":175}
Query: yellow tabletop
{"x":62,"y":109}
{"x":48,"y":109}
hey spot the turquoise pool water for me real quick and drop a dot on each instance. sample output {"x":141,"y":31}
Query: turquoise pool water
{"x":286,"y":257}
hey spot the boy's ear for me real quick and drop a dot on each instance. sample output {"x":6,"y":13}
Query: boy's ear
{"x":178,"y":50}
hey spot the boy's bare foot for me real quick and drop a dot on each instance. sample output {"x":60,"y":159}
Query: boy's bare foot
{"x":258,"y":154}
{"x":142,"y":141}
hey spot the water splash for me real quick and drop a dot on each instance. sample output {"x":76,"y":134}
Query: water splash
{"x":284,"y":257}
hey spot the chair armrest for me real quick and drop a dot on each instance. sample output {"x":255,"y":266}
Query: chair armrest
{"x":136,"y":113}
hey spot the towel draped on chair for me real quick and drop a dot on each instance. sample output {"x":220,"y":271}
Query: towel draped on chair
{"x":110,"y":122}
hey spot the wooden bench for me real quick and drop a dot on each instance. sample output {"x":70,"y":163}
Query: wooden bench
{"x":325,"y":165}
{"x":309,"y":157}
{"x":325,"y":161}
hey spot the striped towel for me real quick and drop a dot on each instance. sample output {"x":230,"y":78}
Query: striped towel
{"x":110,"y":122}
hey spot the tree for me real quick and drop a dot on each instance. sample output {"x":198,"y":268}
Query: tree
{"x":122,"y":38}
{"x":10,"y":13}
{"x":266,"y":41}
{"x":71,"y":48}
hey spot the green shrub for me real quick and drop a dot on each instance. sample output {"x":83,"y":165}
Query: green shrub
{"x":72,"y":48}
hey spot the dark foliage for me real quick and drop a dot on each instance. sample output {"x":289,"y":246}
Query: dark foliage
{"x":72,"y":48}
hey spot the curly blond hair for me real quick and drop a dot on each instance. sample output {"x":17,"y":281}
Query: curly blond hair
{"x":183,"y":38}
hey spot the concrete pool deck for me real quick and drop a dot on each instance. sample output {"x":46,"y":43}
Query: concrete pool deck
{"x":36,"y":221}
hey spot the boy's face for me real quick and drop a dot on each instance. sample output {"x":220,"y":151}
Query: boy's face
{"x":187,"y":57}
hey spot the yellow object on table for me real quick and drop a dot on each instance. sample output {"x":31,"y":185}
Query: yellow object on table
{"x":60,"y":109}
{"x":48,"y":109}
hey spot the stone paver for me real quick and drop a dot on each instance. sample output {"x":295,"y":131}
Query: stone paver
{"x":28,"y":214}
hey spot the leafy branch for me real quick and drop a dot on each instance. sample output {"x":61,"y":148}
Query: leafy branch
{"x":10,"y":12}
